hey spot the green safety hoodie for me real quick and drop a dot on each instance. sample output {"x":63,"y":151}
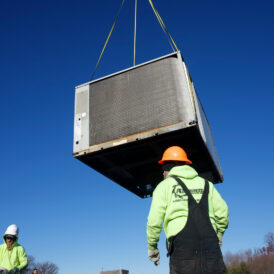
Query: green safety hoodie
{"x":170,"y":205}
{"x":14,"y":258}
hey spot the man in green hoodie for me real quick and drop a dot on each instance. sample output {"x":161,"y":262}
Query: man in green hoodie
{"x":193,"y":214}
{"x":12,"y":255}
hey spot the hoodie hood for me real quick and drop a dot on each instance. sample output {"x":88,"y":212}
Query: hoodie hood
{"x":13,"y":245}
{"x":184,"y":171}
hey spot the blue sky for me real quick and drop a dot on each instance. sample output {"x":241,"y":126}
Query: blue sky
{"x":70,"y":214}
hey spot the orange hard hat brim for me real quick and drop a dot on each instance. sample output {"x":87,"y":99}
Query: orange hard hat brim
{"x":161,"y":162}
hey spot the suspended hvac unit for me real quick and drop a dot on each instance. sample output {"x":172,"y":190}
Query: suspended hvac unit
{"x":124,"y":122}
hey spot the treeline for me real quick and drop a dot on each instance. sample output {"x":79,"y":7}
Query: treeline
{"x":43,"y":268}
{"x":257,"y":261}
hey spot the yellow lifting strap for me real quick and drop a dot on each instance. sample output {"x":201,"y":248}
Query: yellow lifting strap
{"x":163,"y":26}
{"x":99,"y":59}
{"x":135,"y":24}
{"x":171,"y":39}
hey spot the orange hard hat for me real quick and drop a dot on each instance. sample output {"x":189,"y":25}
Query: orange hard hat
{"x":175,"y":153}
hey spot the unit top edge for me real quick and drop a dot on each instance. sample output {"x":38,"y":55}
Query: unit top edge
{"x":176,"y":53}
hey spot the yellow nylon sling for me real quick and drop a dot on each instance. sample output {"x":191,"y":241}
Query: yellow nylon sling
{"x":164,"y":28}
{"x":123,"y":1}
{"x":161,"y":22}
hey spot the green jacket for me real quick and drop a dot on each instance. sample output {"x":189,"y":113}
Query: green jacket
{"x":16,"y":257}
{"x":170,"y":205}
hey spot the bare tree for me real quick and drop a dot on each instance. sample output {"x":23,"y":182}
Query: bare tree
{"x":269,"y":240}
{"x":262,"y":264}
{"x":30,"y":267}
{"x":259,"y":261}
{"x":43,"y":268}
{"x":47,"y":268}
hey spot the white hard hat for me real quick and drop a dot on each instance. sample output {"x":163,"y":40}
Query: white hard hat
{"x":12,"y":230}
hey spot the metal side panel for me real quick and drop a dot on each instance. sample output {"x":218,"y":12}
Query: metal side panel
{"x":206,"y":132}
{"x":81,"y":119}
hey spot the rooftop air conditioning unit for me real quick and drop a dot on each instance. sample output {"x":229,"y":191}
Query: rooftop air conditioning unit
{"x":123,"y":123}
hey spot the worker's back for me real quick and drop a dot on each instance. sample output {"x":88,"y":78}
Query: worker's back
{"x":170,"y":198}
